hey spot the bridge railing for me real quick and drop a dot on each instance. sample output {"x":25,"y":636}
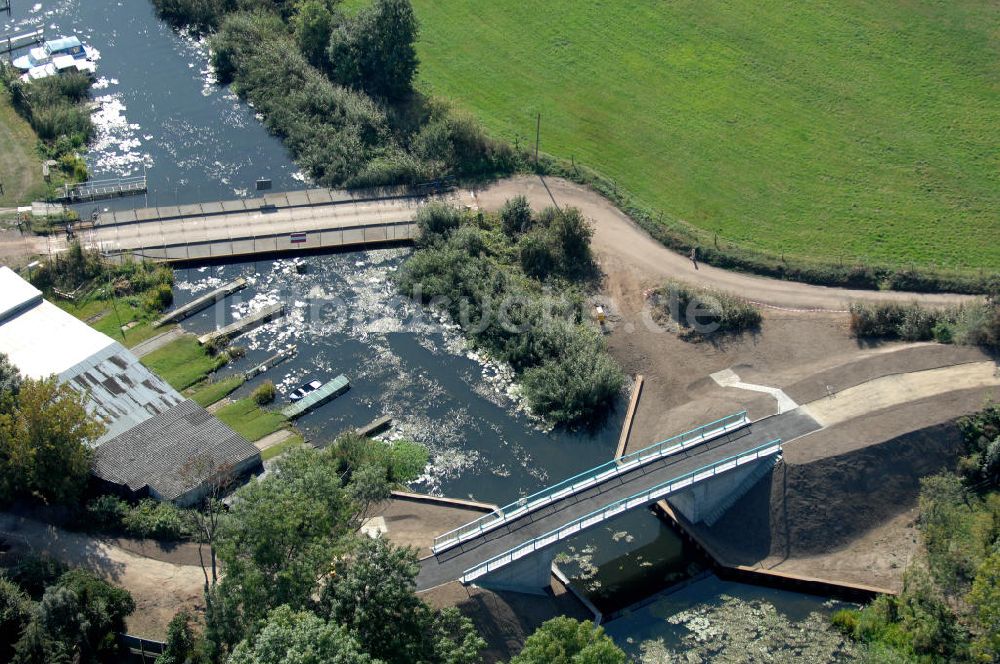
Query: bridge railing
{"x":590,"y":477}
{"x":619,"y":506}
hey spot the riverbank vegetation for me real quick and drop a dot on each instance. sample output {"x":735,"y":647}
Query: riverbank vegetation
{"x":745,"y":141}
{"x":974,"y":323}
{"x":56,"y":108}
{"x":949,"y":609}
{"x":119,"y":299}
{"x":338,"y":90}
{"x":496,"y":276}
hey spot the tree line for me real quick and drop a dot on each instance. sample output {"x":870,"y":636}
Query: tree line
{"x":338,"y":89}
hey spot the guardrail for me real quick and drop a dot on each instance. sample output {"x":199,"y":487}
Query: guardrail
{"x":619,"y":506}
{"x":590,"y":477}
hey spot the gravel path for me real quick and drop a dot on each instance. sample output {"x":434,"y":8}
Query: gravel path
{"x":617,"y":237}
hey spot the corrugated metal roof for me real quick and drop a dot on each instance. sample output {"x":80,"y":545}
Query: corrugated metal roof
{"x":16,"y":294}
{"x":120,"y":390}
{"x":164,"y":452}
{"x":42,"y":340}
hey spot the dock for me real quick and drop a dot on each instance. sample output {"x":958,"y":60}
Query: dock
{"x":203,"y":302}
{"x":11,"y":43}
{"x":270,"y":362}
{"x":97,"y":190}
{"x":257,"y":319}
{"x":375,"y":427}
{"x":330,"y":390}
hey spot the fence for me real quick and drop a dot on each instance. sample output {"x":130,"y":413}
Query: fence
{"x":94,"y":190}
{"x":591,"y":477}
{"x":619,"y":506}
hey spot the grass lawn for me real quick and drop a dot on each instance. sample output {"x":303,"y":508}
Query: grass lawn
{"x":851,"y":129}
{"x":20,"y":165}
{"x":103,"y":317}
{"x":276,"y":450}
{"x":208,"y":394}
{"x":249,"y":420}
{"x":183,"y":362}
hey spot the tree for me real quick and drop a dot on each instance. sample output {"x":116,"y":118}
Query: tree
{"x":183,"y":645}
{"x":571,"y":234}
{"x":313,"y":22}
{"x":15,"y":614}
{"x":10,"y":383}
{"x":280,"y":537}
{"x":92,"y":625}
{"x":567,"y":641}
{"x":45,"y":443}
{"x":371,"y":593}
{"x":369,"y":487}
{"x":204,"y":521}
{"x":375,"y":51}
{"x":985,"y":601}
{"x":290,"y":637}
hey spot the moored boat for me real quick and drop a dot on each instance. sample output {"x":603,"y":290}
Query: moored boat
{"x":58,"y":49}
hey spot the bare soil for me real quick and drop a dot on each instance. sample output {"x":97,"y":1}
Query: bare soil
{"x":160,"y":588}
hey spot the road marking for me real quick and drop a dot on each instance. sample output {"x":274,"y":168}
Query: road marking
{"x":728,"y":378}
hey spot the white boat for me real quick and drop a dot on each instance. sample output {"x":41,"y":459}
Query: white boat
{"x":46,"y":54}
{"x":303,"y":390}
{"x":61,"y":64}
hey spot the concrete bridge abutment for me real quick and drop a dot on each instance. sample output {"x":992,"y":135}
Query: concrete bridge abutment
{"x":706,"y":501}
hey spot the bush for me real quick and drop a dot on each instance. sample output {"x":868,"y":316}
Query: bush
{"x":156,"y":520}
{"x":107,"y":512}
{"x":975,"y":324}
{"x":706,"y":312}
{"x":846,"y":621}
{"x":264,"y":394}
{"x":158,"y":298}
{"x":436,"y":222}
{"x":516,"y":216}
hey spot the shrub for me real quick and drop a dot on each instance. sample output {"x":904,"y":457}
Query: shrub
{"x":705,"y":312}
{"x":265,"y":393}
{"x":34,"y":573}
{"x":846,"y":621}
{"x":515,"y":216}
{"x":107,"y":512}
{"x":436,"y":222}
{"x":156,"y":520}
{"x":158,"y":298}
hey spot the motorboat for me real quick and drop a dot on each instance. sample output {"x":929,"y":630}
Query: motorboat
{"x":46,"y":54}
{"x":61,"y":64}
{"x":301,"y":391}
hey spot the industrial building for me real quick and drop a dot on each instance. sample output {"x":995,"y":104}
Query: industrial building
{"x":152,"y":434}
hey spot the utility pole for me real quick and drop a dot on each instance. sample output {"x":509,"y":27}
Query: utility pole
{"x":538,"y":133}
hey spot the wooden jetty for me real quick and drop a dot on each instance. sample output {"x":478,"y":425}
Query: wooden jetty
{"x":376,"y":426}
{"x":96,"y":190}
{"x":203,"y":302}
{"x":11,"y":43}
{"x":257,"y":319}
{"x":270,"y":362}
{"x":329,"y":390}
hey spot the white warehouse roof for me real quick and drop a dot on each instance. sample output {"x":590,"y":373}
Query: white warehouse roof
{"x":41,"y":340}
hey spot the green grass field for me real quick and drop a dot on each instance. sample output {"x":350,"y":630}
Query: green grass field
{"x":851,"y":129}
{"x":208,"y":394}
{"x":250,"y":420}
{"x":20,"y":166}
{"x":183,"y":362}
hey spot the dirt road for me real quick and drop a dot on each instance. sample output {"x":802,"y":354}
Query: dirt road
{"x":159,"y":588}
{"x":621,"y":241}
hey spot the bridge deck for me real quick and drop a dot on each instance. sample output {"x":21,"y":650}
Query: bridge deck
{"x":450,"y":564}
{"x":280,"y":222}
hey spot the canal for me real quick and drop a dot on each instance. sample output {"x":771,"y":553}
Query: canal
{"x":162,"y":114}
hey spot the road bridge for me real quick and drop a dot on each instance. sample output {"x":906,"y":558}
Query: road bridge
{"x":703,"y":471}
{"x":293,"y":221}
